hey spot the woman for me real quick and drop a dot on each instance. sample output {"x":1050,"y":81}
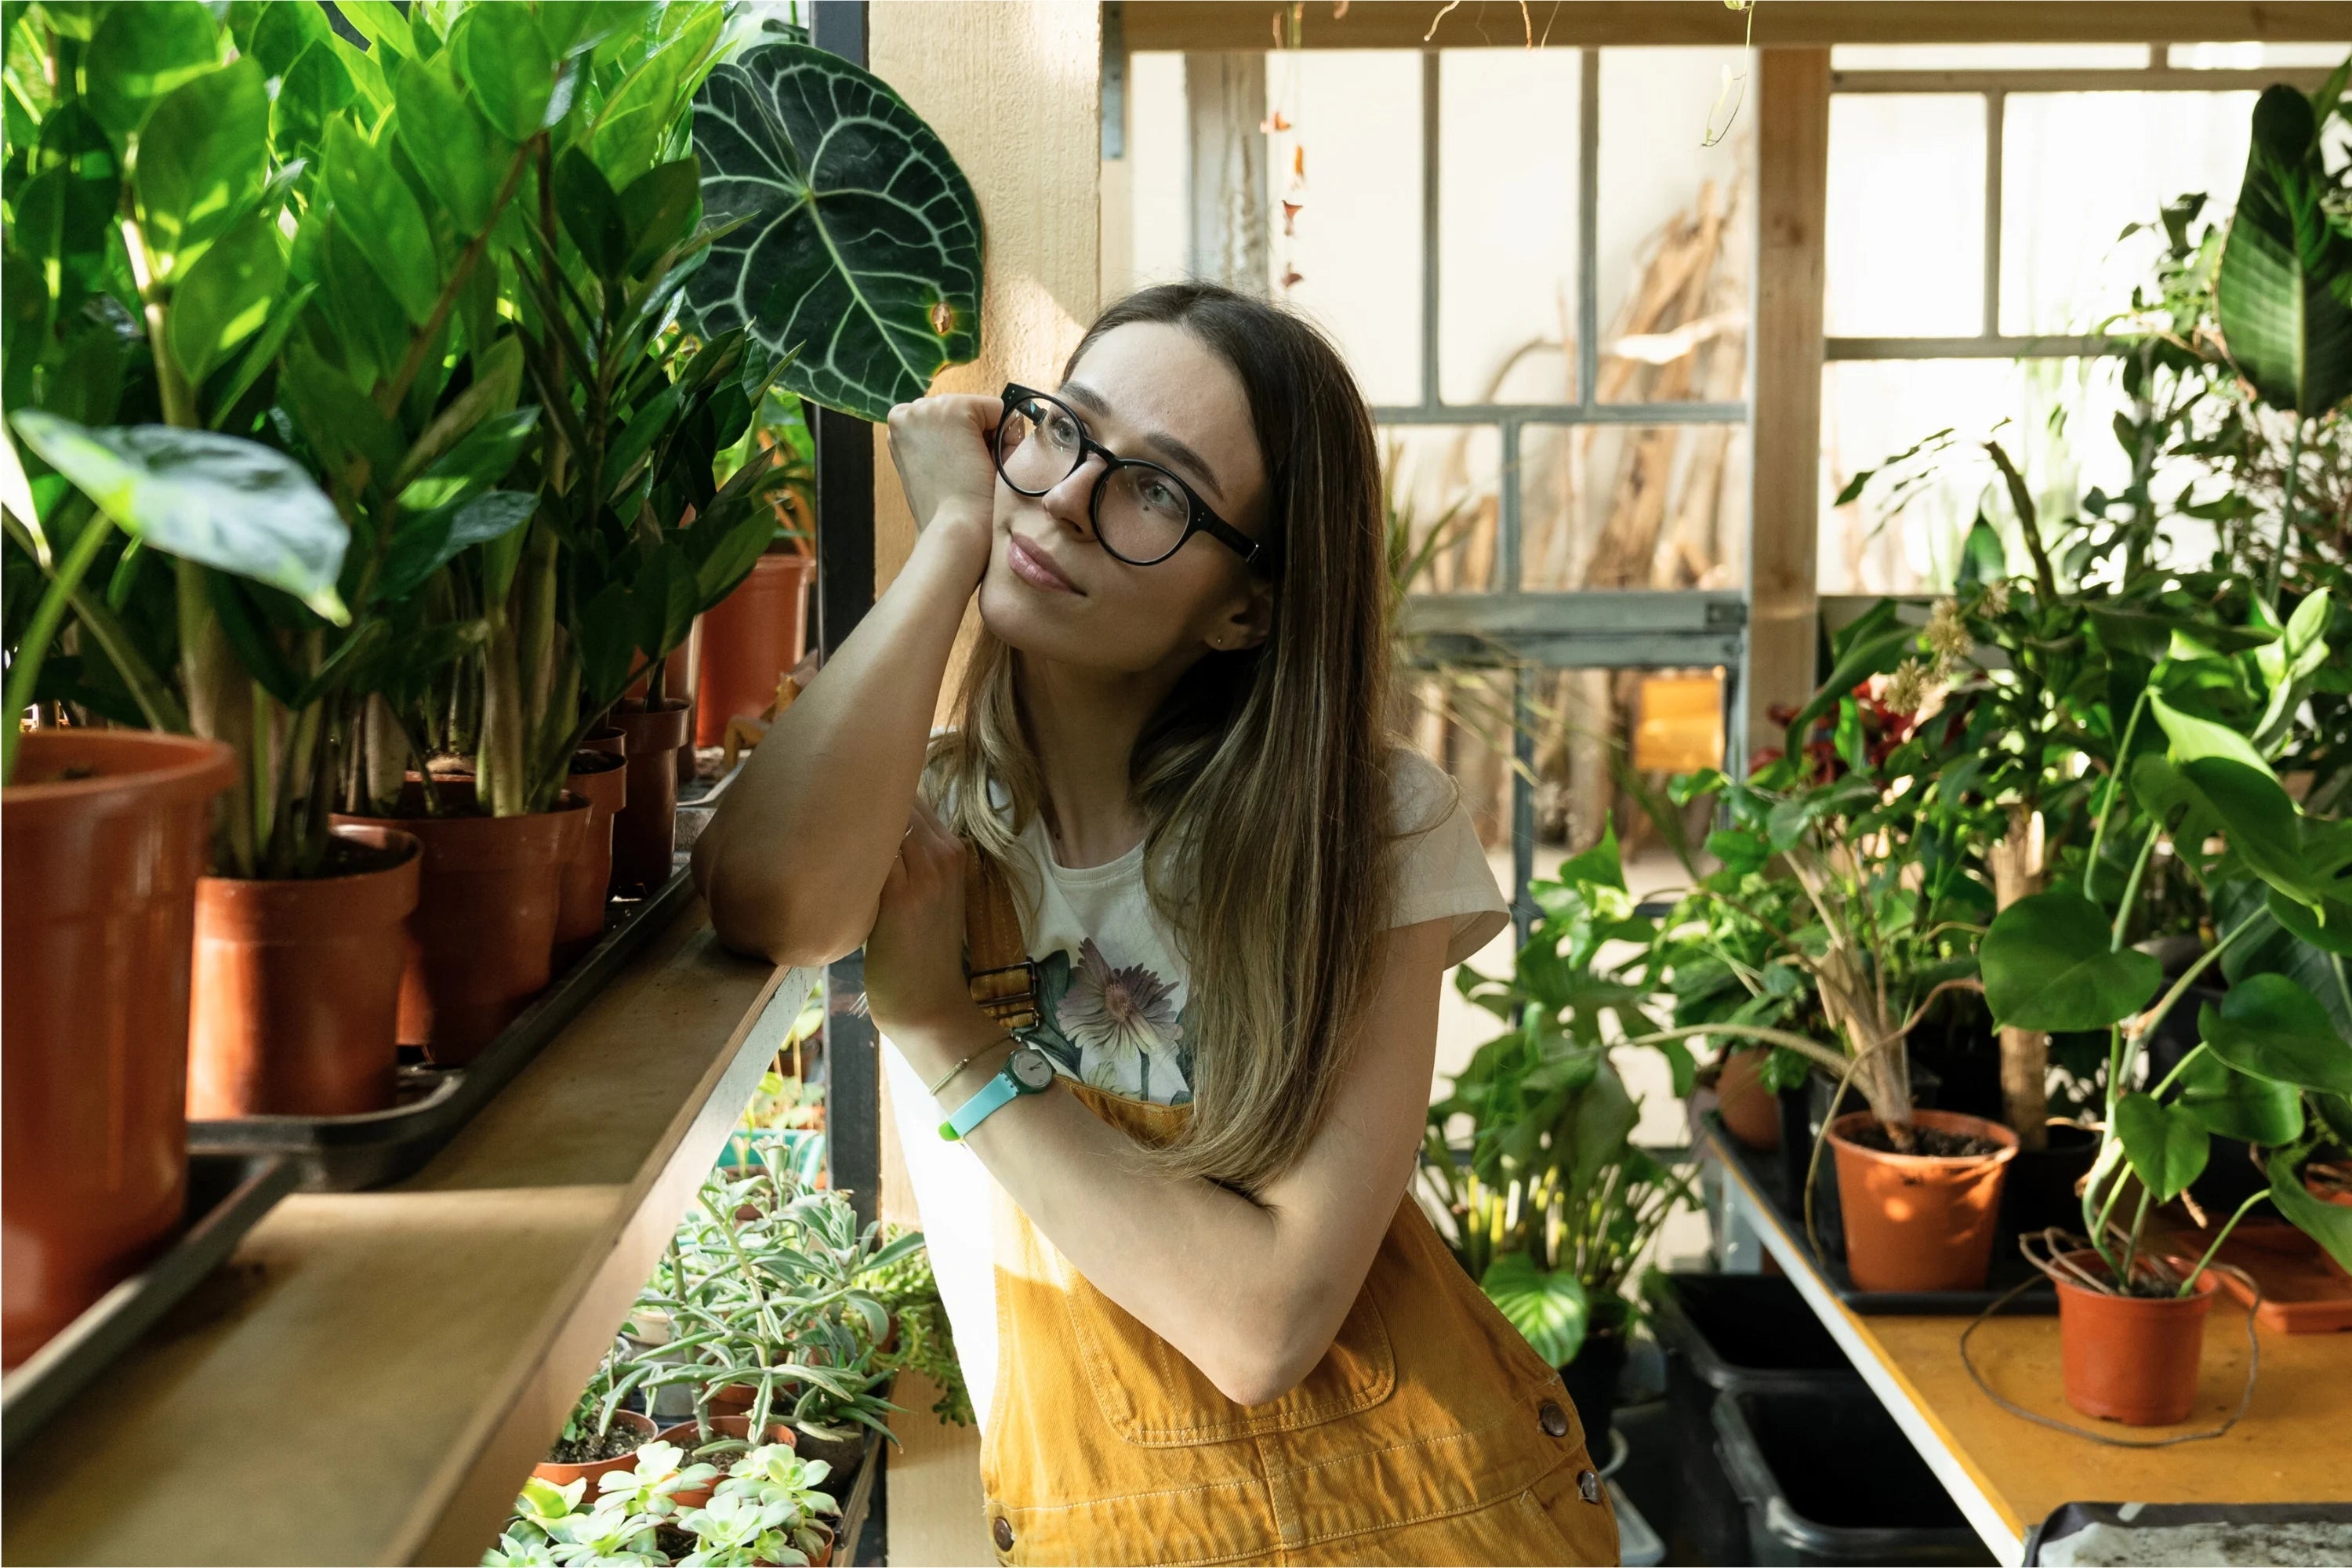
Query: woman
{"x":1202,"y":1319}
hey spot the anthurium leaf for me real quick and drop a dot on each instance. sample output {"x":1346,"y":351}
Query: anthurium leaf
{"x":2268,"y":1025}
{"x":859,"y":237}
{"x":2165,"y":1144}
{"x":2286,"y":314}
{"x":140,"y":53}
{"x":2047,"y":964}
{"x":224,"y":503}
{"x":2330,"y":1225}
{"x":201,"y":159}
{"x":2231,"y":1104}
{"x":225,"y":296}
{"x":1549,"y":1307}
{"x":374,"y":207}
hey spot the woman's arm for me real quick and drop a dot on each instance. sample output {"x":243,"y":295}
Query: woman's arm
{"x":1252,"y":1293}
{"x":848,"y":752}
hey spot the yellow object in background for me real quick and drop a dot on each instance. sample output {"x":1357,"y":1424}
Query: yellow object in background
{"x":1680,"y":726}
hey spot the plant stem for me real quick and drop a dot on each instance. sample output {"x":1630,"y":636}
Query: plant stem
{"x":2228,"y":1226}
{"x":2114,"y":791}
{"x":2286,"y":515}
{"x":2177,"y":1068}
{"x":2131,"y":889}
{"x":33,"y":648}
{"x":388,"y":395}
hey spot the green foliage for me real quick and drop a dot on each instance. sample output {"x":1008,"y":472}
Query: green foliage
{"x":2284,"y":292}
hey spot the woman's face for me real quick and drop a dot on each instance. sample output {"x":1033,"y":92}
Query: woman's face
{"x":1152,"y":392}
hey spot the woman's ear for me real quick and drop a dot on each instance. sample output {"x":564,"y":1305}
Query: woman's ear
{"x":1249,"y":623}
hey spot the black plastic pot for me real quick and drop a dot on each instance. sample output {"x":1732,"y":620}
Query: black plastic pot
{"x":1593,"y":1378}
{"x":1827,"y":1477}
{"x":1722,"y":1332}
{"x":1959,"y":1048}
{"x":1803,"y":1113}
{"x":2039,"y":1191}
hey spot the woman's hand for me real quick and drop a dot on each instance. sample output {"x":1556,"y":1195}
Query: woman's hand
{"x":941,"y":445}
{"x":915,"y":985}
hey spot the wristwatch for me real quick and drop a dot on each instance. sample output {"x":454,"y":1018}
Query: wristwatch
{"x":1026,"y":1071}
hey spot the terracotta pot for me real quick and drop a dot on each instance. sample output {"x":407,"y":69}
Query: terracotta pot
{"x":2129,"y":1358}
{"x":686,"y":1435}
{"x":607,"y":738}
{"x":748,"y":640}
{"x":106,"y":833}
{"x":1916,"y":1222}
{"x":645,"y":829}
{"x":593,"y":1472}
{"x":483,"y":931}
{"x":601,"y":779}
{"x":297,"y":1002}
{"x":1751,"y":1111}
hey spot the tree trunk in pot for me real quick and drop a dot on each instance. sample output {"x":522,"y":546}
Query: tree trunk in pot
{"x":2017,"y":873}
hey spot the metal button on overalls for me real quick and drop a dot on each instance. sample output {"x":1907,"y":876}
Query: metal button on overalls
{"x":1554,"y":1419}
{"x":1002,"y":1530}
{"x":1587,"y":1484}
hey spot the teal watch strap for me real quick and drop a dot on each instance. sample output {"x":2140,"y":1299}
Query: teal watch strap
{"x":992,"y":1096}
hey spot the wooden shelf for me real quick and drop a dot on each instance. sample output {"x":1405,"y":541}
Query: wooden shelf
{"x":2009,"y":1474}
{"x":371,"y":1376}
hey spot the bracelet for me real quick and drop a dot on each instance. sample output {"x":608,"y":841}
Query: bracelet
{"x":949,"y":1077}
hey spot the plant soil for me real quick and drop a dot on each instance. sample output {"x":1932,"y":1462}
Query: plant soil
{"x":1925,"y":1141}
{"x":612,"y":1444}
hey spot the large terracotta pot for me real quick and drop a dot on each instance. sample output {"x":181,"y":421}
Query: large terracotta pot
{"x":1750,"y":1111}
{"x":482,"y":936}
{"x":645,"y":832}
{"x":748,"y":640}
{"x":601,"y":779}
{"x":1916,"y":1222}
{"x":102,"y":839}
{"x":2131,"y":1359}
{"x":595,"y":1470}
{"x":297,"y":1002}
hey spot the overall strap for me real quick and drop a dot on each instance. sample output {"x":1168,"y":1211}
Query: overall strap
{"x":996,"y":960}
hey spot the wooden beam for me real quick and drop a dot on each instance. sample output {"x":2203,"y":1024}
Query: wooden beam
{"x":1793,"y":144}
{"x":1208,"y":25}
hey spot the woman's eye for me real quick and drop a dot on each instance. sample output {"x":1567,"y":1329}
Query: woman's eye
{"x":1161,"y":496}
{"x":1061,"y":429}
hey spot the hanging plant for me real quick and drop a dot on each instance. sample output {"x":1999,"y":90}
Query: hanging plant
{"x":850,"y":233}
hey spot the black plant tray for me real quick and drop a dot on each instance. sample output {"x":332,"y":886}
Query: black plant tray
{"x":226,"y":1196}
{"x":2072,"y":1517}
{"x":346,"y":1154}
{"x":1763,"y":1173}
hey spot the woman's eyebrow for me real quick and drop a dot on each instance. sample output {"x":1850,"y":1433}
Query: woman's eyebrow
{"x":1175,"y":451}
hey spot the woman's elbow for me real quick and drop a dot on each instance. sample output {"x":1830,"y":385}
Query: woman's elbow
{"x":754,"y":915}
{"x":1265,"y":1369}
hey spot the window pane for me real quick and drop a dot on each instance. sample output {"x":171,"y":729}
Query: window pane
{"x":1634,"y":506}
{"x":1444,"y":479}
{"x":2076,"y":167}
{"x":2052,"y":417}
{"x":1673,"y":234}
{"x":1904,"y":236}
{"x":1987,"y":57}
{"x":1355,"y":243}
{"x":1506,"y":274}
{"x":2257,"y":57}
{"x":1156,"y":162}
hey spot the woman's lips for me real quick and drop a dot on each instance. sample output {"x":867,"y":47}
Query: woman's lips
{"x":1029,"y":564}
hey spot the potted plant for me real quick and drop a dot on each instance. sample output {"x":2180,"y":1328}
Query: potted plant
{"x":749,"y":639}
{"x":598,"y":1438}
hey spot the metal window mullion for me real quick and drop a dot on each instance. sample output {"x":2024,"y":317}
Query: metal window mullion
{"x":1588,"y":227}
{"x":1996,"y":117}
{"x":1431,"y":195}
{"x":1566,"y":413}
{"x":1508,"y":508}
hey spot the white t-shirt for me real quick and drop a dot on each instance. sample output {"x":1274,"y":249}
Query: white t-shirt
{"x":1112,"y":1007}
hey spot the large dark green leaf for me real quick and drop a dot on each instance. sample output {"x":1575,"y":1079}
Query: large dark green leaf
{"x":2260,"y":822}
{"x":453,"y":147}
{"x":2268,"y":1025}
{"x":1547,"y":1306}
{"x":2232,"y":1104}
{"x":374,"y":207}
{"x":141,"y":52}
{"x":859,"y":239}
{"x":202,"y":159}
{"x":2284,"y":292}
{"x":2165,"y":1144}
{"x":228,"y":503}
{"x":423,"y":545}
{"x":2047,"y":965}
{"x":504,"y":58}
{"x":2330,"y":1225}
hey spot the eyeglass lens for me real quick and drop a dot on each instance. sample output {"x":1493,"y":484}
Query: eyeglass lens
{"x":1141,"y":514}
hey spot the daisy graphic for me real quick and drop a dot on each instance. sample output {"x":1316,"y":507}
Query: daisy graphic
{"x":1123,"y":1018}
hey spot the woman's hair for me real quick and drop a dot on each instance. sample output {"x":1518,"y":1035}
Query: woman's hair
{"x":1263,"y":777}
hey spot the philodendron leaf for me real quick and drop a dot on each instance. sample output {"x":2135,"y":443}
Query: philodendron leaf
{"x":858,"y":240}
{"x":2260,"y":822}
{"x":2192,"y":739}
{"x":228,"y":503}
{"x":2330,"y":1225}
{"x":2165,"y":1145}
{"x":2047,"y":964}
{"x":1547,"y":1306}
{"x":2232,"y":1104}
{"x":2268,"y":1025}
{"x":2282,"y":295}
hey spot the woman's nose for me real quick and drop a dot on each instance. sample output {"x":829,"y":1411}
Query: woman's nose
{"x":1071,"y":502}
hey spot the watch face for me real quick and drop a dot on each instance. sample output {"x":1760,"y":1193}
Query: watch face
{"x":1030,"y":1067}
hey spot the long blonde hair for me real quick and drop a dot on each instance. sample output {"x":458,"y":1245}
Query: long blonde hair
{"x":1264,"y":776}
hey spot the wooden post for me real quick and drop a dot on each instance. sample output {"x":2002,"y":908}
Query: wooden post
{"x":1792,"y":135}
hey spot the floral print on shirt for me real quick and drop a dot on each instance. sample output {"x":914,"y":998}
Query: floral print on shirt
{"x":1115,"y":1028}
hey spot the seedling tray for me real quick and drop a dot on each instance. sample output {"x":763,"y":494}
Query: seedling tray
{"x":1763,"y":1173}
{"x":2303,"y":1293}
{"x":2254,"y":1518}
{"x":346,"y":1154}
{"x":226,"y":1196}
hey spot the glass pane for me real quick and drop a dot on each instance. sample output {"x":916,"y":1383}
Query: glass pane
{"x":1506,"y":273}
{"x":2053,"y":416}
{"x":1444,"y":480}
{"x":1904,"y":236}
{"x":2257,"y":57}
{"x":1987,"y":57}
{"x":2076,"y":167}
{"x":1634,"y":506}
{"x":1354,"y":244}
{"x":1156,"y":156}
{"x":1673,"y":235}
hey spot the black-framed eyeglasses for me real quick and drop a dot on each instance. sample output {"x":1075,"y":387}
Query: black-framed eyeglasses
{"x":1141,"y":512}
